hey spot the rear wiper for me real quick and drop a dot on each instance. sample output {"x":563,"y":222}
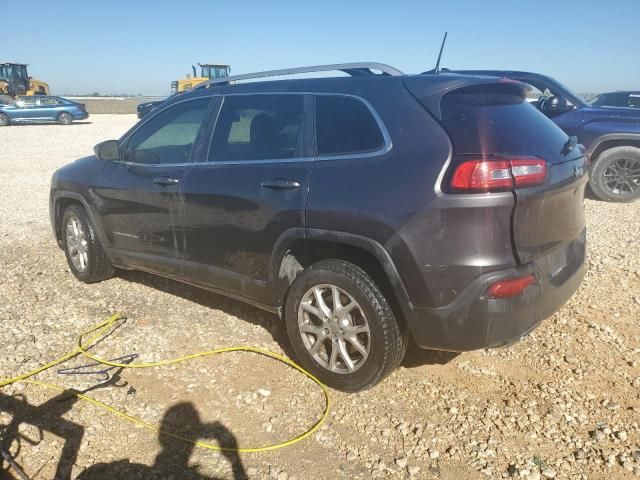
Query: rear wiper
{"x":569,"y":145}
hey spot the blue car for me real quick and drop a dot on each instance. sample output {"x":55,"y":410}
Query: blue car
{"x":42,"y":109}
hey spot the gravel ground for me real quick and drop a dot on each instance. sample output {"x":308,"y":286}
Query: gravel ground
{"x":562,"y":403}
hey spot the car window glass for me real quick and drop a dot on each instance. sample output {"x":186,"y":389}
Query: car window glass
{"x":48,"y":101}
{"x":169,"y":136}
{"x":27,"y":101}
{"x":345,"y":125}
{"x":532,"y":93}
{"x":496,"y":118}
{"x":258,"y":127}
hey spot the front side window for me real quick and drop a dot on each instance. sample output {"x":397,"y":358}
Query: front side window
{"x":345,"y":125}
{"x":27,"y":101}
{"x":169,"y":136}
{"x":258,"y":127}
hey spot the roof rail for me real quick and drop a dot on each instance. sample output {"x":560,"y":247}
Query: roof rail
{"x":353,"y":69}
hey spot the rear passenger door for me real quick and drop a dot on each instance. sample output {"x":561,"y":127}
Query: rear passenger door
{"x":48,"y":108}
{"x":250,"y":191}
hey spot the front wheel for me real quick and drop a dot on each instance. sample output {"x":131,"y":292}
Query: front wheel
{"x":4,"y":120}
{"x":341,"y":327}
{"x":615,"y":176}
{"x":86,"y":257}
{"x":65,"y":118}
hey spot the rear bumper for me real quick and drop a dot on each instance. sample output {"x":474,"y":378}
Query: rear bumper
{"x":80,"y":116}
{"x":473,"y":321}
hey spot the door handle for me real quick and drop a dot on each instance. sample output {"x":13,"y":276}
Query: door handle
{"x":280,"y":184}
{"x":165,"y":181}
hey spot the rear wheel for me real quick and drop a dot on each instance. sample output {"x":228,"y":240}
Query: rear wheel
{"x":86,"y":257}
{"x":65,"y":118}
{"x":4,"y":120}
{"x":341,"y":327}
{"x":615,"y":176}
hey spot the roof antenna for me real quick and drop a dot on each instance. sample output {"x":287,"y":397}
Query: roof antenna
{"x":437,"y":69}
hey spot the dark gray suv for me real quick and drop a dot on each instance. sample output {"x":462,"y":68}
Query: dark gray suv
{"x":362,"y":209}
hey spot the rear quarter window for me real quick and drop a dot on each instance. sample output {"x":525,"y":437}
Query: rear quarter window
{"x":345,"y":125}
{"x":497,"y":119}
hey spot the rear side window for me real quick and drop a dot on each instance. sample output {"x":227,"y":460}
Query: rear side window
{"x":258,"y":127}
{"x":345,"y":125}
{"x":496,"y":119}
{"x":48,"y":101}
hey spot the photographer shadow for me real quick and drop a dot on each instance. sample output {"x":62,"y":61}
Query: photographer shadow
{"x":181,"y":419}
{"x":172,"y":461}
{"x":46,"y":417}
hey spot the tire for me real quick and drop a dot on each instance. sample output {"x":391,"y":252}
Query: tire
{"x":617,"y":167}
{"x":385,"y":342}
{"x":65,"y":118}
{"x":96,"y":265}
{"x":4,"y":120}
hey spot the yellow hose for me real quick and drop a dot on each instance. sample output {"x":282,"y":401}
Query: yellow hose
{"x":104,"y":326}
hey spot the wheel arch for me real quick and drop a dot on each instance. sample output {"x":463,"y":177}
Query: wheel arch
{"x":63,"y":199}
{"x":605,"y":142}
{"x":300,"y":248}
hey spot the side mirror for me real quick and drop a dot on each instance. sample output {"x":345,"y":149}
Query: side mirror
{"x":556,"y":105}
{"x":107,"y":150}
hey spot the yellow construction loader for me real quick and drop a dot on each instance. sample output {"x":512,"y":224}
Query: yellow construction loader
{"x":207,"y":72}
{"x":15,"y":82}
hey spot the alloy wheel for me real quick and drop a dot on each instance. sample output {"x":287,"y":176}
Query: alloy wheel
{"x":334,"y":329}
{"x":65,"y":118}
{"x":77,"y":245}
{"x":622,"y":176}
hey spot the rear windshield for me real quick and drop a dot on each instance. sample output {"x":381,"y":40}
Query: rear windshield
{"x":497,"y":119}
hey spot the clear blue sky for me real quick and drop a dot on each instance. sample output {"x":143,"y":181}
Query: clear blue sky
{"x":139,"y":46}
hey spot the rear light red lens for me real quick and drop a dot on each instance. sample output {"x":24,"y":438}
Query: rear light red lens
{"x":528,"y":172}
{"x":499,"y":174}
{"x":482,"y":176}
{"x":511,"y":287}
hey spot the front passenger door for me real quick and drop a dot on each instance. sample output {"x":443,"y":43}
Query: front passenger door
{"x":28,"y":109}
{"x":139,"y":196}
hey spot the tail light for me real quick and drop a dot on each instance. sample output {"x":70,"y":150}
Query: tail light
{"x":498,"y":174}
{"x":511,"y":287}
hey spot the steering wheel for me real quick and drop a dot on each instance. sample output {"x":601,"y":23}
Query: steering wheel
{"x":542,"y":100}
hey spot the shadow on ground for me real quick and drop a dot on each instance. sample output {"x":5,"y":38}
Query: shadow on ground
{"x":417,"y":357}
{"x":269,"y":321}
{"x":172,"y":461}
